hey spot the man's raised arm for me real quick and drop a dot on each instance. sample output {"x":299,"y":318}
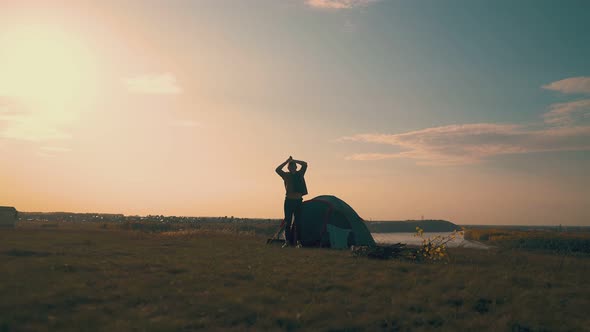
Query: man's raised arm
{"x":303,"y":165}
{"x":279,"y":169}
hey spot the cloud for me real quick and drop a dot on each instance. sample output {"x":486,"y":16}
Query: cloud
{"x":28,"y":128}
{"x":18,"y":122}
{"x":338,"y":4}
{"x":164,"y":84}
{"x":565,"y":127}
{"x":52,"y":151}
{"x":567,"y":113}
{"x":570,"y":85}
{"x":58,"y":149}
{"x":9,"y":107}
{"x":186,"y":124}
{"x":473,"y":143}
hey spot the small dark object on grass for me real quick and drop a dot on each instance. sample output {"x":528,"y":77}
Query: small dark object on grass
{"x":482,"y":305}
{"x":275,"y":241}
{"x":455,"y":302}
{"x":517,"y":327}
{"x":26,"y":253}
{"x":398,"y":250}
{"x":64,"y":268}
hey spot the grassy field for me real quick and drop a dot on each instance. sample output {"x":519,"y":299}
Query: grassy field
{"x":552,"y":241}
{"x":97,"y":277}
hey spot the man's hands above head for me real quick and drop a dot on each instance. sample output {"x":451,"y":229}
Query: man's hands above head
{"x":300,"y":162}
{"x":279,"y":169}
{"x":303,"y":164}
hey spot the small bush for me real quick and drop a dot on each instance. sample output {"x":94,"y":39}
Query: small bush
{"x":435,"y":248}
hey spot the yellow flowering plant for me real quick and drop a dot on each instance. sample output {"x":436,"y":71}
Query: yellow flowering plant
{"x":434,"y":248}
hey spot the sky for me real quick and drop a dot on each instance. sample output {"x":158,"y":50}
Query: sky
{"x":472,"y":111}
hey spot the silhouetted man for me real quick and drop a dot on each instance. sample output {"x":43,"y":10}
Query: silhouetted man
{"x":296,"y":188}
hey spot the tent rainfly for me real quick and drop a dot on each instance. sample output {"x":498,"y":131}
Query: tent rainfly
{"x":327,"y":221}
{"x":8,"y":216}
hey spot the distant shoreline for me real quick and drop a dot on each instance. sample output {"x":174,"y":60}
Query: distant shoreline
{"x":159,"y":218}
{"x":414,"y":241}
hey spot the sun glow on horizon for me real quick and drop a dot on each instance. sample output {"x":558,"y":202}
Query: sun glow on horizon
{"x":186,"y":107}
{"x":47,"y":76}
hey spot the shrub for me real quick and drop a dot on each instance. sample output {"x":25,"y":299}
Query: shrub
{"x":435,"y":248}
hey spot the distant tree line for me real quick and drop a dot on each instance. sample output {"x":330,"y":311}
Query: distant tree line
{"x":409,"y":226}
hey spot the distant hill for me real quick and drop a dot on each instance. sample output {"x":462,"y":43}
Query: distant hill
{"x":409,"y":226}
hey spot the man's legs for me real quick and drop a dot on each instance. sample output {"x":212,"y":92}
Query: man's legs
{"x":288,"y":207}
{"x":292,"y":211}
{"x":297,"y":216}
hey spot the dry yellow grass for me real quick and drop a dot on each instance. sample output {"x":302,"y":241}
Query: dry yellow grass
{"x":86,"y":277}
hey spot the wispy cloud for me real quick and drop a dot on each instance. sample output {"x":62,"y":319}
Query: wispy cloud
{"x":565,"y":127}
{"x":57,"y":149}
{"x":26,"y":129}
{"x":19,"y":123}
{"x":9,"y":107}
{"x":52,"y":151}
{"x":570,"y":85}
{"x":473,"y":143}
{"x":185,"y":124}
{"x":338,"y":4}
{"x":567,"y":113}
{"x":164,"y":84}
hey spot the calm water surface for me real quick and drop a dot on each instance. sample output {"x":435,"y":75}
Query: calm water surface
{"x":411,"y":239}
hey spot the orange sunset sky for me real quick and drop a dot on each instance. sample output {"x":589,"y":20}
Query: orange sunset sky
{"x":403,"y":109}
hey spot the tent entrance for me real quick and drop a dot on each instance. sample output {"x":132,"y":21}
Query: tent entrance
{"x":338,"y":237}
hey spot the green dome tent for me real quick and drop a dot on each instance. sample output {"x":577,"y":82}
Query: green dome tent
{"x":327,"y":221}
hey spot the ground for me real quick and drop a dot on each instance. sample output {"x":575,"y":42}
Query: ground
{"x":70,"y":277}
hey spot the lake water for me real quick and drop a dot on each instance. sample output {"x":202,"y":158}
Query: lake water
{"x":411,"y":239}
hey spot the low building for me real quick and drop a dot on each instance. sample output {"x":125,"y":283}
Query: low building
{"x":8,"y":217}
